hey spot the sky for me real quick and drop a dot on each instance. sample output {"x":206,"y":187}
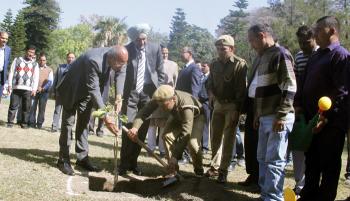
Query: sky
{"x":157,"y":13}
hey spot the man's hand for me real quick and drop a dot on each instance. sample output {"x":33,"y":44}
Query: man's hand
{"x":132,"y":134}
{"x":278,"y":125}
{"x":33,"y":93}
{"x":109,"y":122}
{"x":322,"y":121}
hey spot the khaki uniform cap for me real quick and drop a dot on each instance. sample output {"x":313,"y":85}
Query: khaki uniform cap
{"x":225,"y":40}
{"x":164,"y":92}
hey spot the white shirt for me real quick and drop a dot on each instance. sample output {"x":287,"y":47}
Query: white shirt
{"x":2,"y":58}
{"x":253,"y":85}
{"x":189,"y":63}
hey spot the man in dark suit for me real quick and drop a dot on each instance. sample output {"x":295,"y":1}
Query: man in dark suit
{"x":144,"y":73}
{"x":58,"y":76}
{"x":5,"y":54}
{"x":82,"y":86}
{"x":189,"y":79}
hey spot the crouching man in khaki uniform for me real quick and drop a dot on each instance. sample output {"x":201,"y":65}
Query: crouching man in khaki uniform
{"x":184,"y":126}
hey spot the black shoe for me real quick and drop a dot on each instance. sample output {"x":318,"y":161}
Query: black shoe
{"x":24,"y":126}
{"x":39,"y":126}
{"x":65,"y":167}
{"x":53,"y":130}
{"x":99,"y":133}
{"x":122,"y":171}
{"x":251,"y":180}
{"x":9,"y":125}
{"x":136,"y":171}
{"x":222,"y":178}
{"x":199,"y":172}
{"x":87,"y":165}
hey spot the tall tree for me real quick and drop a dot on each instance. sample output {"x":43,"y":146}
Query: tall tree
{"x":76,"y":39}
{"x":236,"y":24}
{"x":7,"y":22}
{"x":41,"y":18}
{"x":202,"y":42}
{"x":178,"y":34}
{"x":110,"y":31}
{"x":18,"y":37}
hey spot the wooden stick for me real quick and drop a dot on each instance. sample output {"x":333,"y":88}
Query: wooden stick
{"x":143,"y":145}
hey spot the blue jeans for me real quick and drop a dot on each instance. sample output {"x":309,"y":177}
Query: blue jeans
{"x":271,"y":155}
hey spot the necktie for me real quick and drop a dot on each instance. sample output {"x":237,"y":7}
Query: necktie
{"x":140,"y":71}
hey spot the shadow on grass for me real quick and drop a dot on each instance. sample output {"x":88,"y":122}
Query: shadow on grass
{"x":50,"y":158}
{"x":191,"y":188}
{"x":187,"y":189}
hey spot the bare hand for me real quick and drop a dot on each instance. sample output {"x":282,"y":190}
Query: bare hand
{"x":278,"y":125}
{"x":322,"y":121}
{"x":111,"y":125}
{"x":132,"y":134}
{"x":33,"y":93}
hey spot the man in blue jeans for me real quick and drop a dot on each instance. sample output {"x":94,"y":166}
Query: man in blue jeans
{"x":272,"y":87}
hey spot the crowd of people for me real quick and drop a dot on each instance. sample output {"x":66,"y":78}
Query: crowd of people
{"x":198,"y":108}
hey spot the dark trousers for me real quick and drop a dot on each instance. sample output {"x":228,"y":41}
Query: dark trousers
{"x":323,"y":158}
{"x":19,"y":96}
{"x":39,"y":101}
{"x":205,"y":137}
{"x":56,"y":114}
{"x":130,"y":150}
{"x":83,"y":110}
{"x":251,"y":138}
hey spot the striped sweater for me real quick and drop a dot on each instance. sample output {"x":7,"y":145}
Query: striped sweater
{"x":276,"y":84}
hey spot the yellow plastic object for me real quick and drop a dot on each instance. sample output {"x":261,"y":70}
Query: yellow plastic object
{"x":289,"y":195}
{"x":324,"y":103}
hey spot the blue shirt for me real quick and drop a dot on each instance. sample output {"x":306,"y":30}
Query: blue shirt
{"x":326,"y":75}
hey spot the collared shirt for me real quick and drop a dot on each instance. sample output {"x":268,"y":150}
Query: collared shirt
{"x":189,"y":63}
{"x":253,"y":85}
{"x":227,"y":81}
{"x":326,"y":75}
{"x":2,"y":58}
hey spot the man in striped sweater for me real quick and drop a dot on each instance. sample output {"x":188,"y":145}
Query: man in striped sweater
{"x":273,"y":87}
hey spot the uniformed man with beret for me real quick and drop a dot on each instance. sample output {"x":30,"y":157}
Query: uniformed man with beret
{"x":226,"y":89}
{"x":183,"y":128}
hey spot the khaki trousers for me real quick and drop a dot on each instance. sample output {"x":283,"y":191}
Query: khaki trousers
{"x":175,"y":142}
{"x":224,"y":123}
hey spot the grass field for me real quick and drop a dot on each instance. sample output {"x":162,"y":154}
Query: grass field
{"x":28,"y":171}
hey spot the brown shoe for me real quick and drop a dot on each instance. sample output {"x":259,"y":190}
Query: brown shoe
{"x":212,"y":172}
